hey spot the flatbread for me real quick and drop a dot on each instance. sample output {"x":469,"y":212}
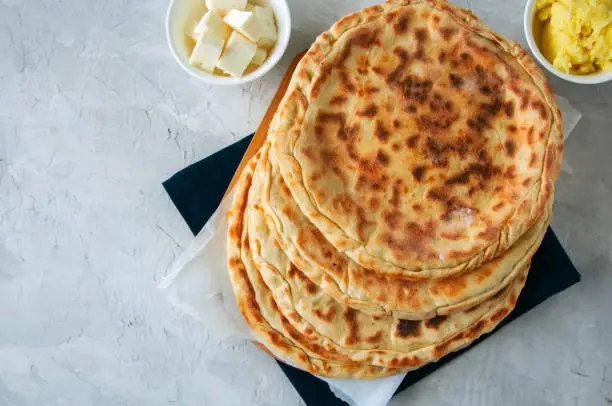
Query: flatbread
{"x":350,"y":343}
{"x":367,"y":290}
{"x":417,"y":141}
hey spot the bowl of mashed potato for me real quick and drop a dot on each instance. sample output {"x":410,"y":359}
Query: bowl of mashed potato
{"x":571,"y":38}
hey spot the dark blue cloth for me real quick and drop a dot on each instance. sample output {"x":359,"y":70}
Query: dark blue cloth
{"x":197,"y":190}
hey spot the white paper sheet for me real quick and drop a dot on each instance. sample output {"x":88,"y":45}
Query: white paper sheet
{"x":571,"y":116}
{"x":199,"y":285}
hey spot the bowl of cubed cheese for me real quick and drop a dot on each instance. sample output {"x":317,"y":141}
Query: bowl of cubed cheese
{"x":228,"y":42}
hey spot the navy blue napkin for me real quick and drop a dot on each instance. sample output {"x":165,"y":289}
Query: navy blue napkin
{"x":197,"y":190}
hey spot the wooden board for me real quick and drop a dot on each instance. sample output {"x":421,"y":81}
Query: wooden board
{"x":262,"y":131}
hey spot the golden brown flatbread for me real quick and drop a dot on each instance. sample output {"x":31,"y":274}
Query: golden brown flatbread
{"x":417,"y":141}
{"x":407,"y":181}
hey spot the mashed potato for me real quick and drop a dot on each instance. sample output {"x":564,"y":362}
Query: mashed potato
{"x":576,"y":35}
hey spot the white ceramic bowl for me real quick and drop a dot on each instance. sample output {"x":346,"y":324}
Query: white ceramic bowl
{"x":177,"y":18}
{"x":530,"y":10}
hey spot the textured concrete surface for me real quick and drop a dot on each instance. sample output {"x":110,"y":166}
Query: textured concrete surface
{"x":94,"y":114}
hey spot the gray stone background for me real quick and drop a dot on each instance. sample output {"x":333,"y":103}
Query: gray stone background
{"x":95,"y":113}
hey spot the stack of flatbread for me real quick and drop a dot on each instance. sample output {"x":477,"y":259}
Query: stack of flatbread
{"x":406,"y":182}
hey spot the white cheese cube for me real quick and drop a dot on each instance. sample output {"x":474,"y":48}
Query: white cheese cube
{"x":245,"y":23}
{"x":226,"y":5}
{"x":239,"y":52}
{"x":259,"y":57}
{"x":207,"y":51}
{"x":214,"y":24}
{"x":269,"y":35}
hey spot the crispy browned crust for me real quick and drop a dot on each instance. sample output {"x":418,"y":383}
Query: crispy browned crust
{"x":350,"y":206}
